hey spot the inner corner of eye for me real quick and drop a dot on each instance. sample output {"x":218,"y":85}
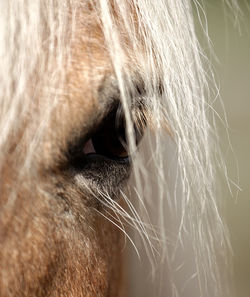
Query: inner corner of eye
{"x":89,"y":148}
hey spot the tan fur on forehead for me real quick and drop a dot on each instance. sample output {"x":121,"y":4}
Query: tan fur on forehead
{"x":83,"y":80}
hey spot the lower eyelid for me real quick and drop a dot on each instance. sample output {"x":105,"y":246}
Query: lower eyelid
{"x":101,"y":175}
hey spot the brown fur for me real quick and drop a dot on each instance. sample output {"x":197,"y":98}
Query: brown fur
{"x":54,"y":242}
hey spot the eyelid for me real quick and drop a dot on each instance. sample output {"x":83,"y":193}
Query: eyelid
{"x":100,"y":175}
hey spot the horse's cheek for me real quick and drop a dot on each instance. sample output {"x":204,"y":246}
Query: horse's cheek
{"x":54,"y":252}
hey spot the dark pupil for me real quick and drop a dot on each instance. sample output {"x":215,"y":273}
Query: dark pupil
{"x":110,"y":139}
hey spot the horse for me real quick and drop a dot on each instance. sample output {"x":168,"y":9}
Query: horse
{"x":95,"y":93}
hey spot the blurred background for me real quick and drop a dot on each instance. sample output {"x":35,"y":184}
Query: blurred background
{"x":229,"y":54}
{"x":231,"y":44}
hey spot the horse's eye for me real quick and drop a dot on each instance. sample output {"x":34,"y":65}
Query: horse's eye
{"x":100,"y":161}
{"x":109,"y":140}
